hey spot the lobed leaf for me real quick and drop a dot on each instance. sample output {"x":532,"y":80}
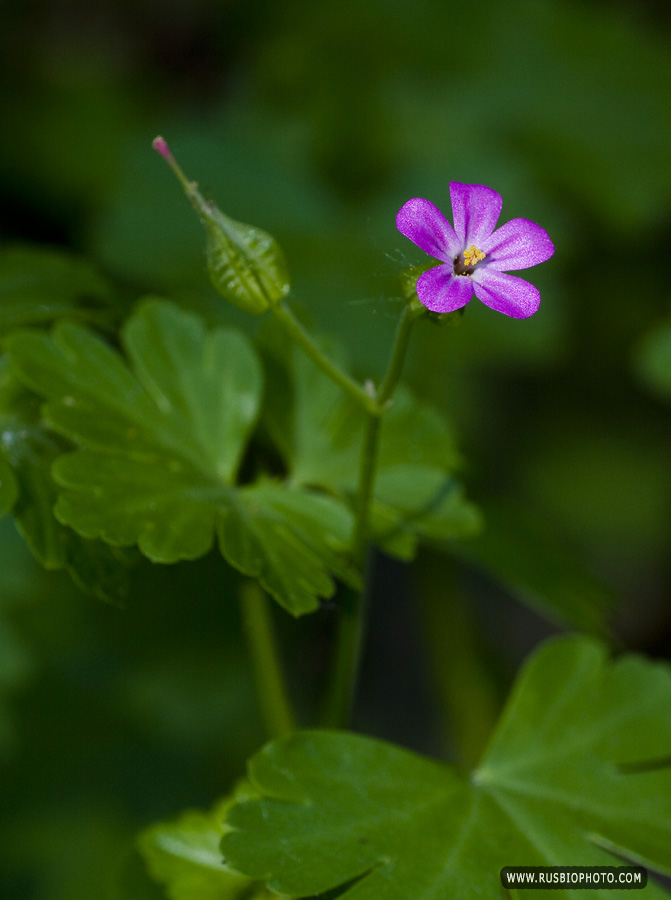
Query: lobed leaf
{"x":160,"y":441}
{"x":578,"y":772}
{"x":289,"y":540}
{"x":187,"y":392}
{"x":156,"y":460}
{"x":162,"y":505}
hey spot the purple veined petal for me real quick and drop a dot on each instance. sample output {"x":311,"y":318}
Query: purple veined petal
{"x":476,"y":210}
{"x":441,"y":291}
{"x":518,"y":244}
{"x":507,"y":294}
{"x":427,"y":227}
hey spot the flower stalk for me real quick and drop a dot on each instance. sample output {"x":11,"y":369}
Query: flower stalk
{"x":304,"y":340}
{"x":352,"y":623}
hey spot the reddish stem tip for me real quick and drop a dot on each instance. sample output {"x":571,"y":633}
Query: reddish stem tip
{"x":161,"y":147}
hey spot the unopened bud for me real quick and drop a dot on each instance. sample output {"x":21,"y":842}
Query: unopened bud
{"x":246,"y":265}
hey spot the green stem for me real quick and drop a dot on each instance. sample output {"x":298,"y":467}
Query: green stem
{"x":273,"y":697}
{"x":282,"y":313}
{"x":199,"y":203}
{"x":395,"y":368}
{"x":305,"y":341}
{"x":367,"y":469}
{"x":352,"y":622}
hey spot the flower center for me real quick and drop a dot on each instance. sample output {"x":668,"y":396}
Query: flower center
{"x":473,"y":255}
{"x":466,"y":261}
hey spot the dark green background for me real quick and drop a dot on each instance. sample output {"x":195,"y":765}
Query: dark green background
{"x":317,"y":121}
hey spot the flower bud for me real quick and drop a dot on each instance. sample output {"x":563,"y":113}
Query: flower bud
{"x":246,"y":265}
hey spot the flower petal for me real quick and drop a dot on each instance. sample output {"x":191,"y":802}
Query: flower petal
{"x":427,"y":227}
{"x":507,"y":294}
{"x":517,"y":245}
{"x":440,"y":290}
{"x":476,"y":210}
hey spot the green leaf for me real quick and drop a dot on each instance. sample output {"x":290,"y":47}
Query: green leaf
{"x":164,"y":441}
{"x":39,"y":285}
{"x":526,"y":554}
{"x":27,"y":453}
{"x":577,"y":773}
{"x":192,"y":396}
{"x":289,"y":539}
{"x":420,"y":501}
{"x":164,"y":506}
{"x":286,"y":538}
{"x":416,"y":495}
{"x":161,"y":444}
{"x":184,"y":856}
{"x":9,"y":489}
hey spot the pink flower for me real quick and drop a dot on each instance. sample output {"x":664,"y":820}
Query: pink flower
{"x":474,"y":257}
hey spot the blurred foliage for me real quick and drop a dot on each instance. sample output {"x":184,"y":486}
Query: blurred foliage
{"x":184,"y":855}
{"x":652,"y":359}
{"x":316,"y":122}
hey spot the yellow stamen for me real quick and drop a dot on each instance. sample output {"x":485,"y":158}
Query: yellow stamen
{"x":473,"y":255}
